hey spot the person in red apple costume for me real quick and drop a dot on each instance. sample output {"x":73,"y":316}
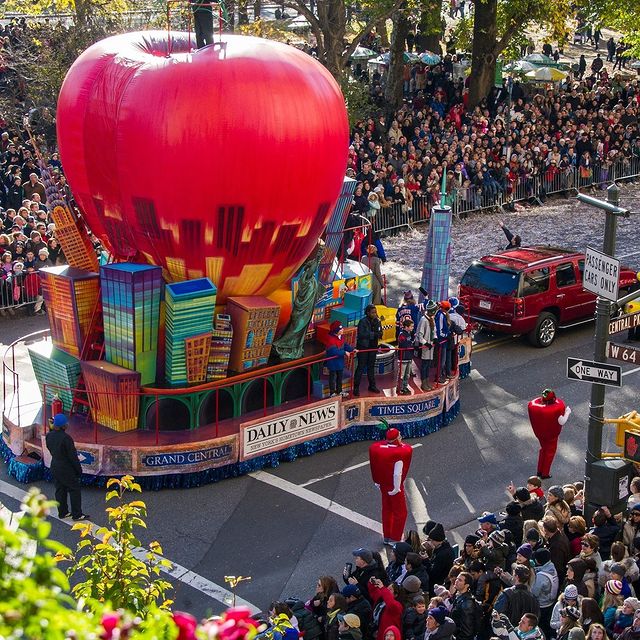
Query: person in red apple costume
{"x":547,"y":414}
{"x":389,"y":460}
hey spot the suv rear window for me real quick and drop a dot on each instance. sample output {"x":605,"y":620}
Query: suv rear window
{"x":500,"y":281}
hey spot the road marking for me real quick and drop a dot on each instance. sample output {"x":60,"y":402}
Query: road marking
{"x":416,"y":503}
{"x":484,"y":346}
{"x":176,"y":571}
{"x":345,"y":470}
{"x":317,"y":500}
{"x":626,"y":373}
{"x":463,"y":496}
{"x":628,"y":255}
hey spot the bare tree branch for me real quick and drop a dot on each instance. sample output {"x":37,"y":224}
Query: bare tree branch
{"x":348,"y":52}
{"x":302,"y":8}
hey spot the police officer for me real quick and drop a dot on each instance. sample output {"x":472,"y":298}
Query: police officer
{"x":65,"y":468}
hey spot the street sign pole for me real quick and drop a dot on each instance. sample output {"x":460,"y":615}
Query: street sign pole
{"x":603,"y":314}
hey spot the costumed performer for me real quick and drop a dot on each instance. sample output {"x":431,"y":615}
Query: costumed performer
{"x":389,"y":460}
{"x":547,"y":414}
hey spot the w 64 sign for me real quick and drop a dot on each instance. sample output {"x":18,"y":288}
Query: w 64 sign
{"x":622,"y":352}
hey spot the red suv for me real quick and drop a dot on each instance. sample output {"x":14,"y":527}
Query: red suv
{"x":532,"y":290}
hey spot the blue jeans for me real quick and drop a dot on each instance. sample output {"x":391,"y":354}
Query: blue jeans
{"x":405,"y":370}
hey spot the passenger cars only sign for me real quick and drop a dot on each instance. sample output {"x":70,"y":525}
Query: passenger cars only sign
{"x":601,"y":274}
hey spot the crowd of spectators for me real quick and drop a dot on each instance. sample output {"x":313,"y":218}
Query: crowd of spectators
{"x":536,"y":570}
{"x":27,"y":240}
{"x":510,"y":147}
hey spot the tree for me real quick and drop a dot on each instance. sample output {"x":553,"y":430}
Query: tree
{"x":112,"y":570}
{"x":393,"y":89}
{"x":430,"y":26}
{"x":85,"y":11}
{"x":330,"y":28}
{"x":497,"y":22}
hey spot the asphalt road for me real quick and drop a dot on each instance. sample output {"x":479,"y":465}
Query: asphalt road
{"x":284,"y":535}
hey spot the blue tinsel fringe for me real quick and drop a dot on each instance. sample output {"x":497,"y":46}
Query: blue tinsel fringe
{"x":356,"y":433}
{"x":19,"y":470}
{"x":464,"y":370}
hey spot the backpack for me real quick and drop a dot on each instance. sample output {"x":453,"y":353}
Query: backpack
{"x":555,"y":585}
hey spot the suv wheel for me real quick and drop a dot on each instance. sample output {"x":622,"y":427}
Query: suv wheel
{"x":545,"y":332}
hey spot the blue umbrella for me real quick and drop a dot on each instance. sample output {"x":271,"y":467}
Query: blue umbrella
{"x":430,"y":58}
{"x":406,"y":57}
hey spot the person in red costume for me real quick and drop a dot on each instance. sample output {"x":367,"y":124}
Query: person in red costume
{"x":547,"y":414}
{"x":389,"y":460}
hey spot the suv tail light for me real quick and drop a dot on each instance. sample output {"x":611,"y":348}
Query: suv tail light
{"x":518,"y":307}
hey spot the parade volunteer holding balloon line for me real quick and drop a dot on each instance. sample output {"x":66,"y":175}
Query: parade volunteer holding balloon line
{"x":261,"y":108}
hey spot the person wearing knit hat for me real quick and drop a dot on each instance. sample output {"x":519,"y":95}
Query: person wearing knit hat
{"x":437,"y":533}
{"x":571,"y":612}
{"x":524,"y":553}
{"x":614,"y":587}
{"x":408,"y":310}
{"x":442,"y":556}
{"x":541,"y":556}
{"x":513,"y":521}
{"x":457,"y":325}
{"x":412,"y":585}
{"x":397,"y":554}
{"x":439,"y":625}
{"x":424,"y":342}
{"x":442,"y":329}
{"x":569,"y":597}
{"x":545,"y":587}
{"x":389,"y":461}
{"x":438,"y":614}
{"x":570,"y":592}
{"x":531,"y":507}
{"x":337,"y":349}
{"x":65,"y":468}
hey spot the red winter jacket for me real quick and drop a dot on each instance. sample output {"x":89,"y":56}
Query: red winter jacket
{"x":391,"y":614}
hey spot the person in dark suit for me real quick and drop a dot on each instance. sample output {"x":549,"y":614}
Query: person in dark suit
{"x":65,"y":469}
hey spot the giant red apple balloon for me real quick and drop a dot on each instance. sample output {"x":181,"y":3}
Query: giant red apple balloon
{"x":224,"y":162}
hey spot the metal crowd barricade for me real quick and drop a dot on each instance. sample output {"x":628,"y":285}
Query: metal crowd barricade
{"x":465,"y":200}
{"x":13,"y":295}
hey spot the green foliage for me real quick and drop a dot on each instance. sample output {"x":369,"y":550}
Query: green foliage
{"x":356,"y":97}
{"x":621,"y":16}
{"x":463,"y":33}
{"x":109,"y":563}
{"x":39,"y":7}
{"x":34,"y":598}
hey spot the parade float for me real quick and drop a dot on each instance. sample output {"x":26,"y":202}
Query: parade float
{"x":197,"y":352}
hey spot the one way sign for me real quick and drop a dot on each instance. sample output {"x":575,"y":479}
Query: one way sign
{"x":588,"y":371}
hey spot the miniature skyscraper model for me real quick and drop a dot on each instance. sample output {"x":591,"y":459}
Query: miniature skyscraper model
{"x":437,"y":255}
{"x":131,"y":309}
